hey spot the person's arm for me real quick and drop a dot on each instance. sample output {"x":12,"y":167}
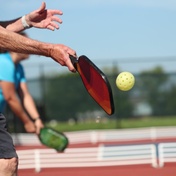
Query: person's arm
{"x":15,"y":24}
{"x":11,"y":41}
{"x":29,"y":106}
{"x":40,"y":18}
{"x":11,"y":98}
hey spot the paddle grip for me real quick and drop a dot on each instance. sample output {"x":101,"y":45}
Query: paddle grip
{"x":74,"y":61}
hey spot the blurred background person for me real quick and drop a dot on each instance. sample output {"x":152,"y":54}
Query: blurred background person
{"x":14,"y":90}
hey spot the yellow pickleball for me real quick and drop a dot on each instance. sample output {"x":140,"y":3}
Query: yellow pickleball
{"x":125,"y":81}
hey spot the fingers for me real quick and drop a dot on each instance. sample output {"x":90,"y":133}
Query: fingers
{"x":60,"y":53}
{"x":38,"y":131}
{"x":69,"y":63}
{"x":38,"y":125}
{"x":56,"y":19}
{"x":70,"y":66}
{"x":56,"y":12}
{"x":50,"y":27}
{"x":53,"y":25}
{"x":72,"y":52}
{"x":29,"y":127}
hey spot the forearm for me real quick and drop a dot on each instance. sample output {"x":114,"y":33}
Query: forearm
{"x":30,"y":107}
{"x":17,"y":108}
{"x":13,"y":25}
{"x":11,"y":41}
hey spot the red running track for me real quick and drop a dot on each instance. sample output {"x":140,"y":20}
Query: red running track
{"x":137,"y":170}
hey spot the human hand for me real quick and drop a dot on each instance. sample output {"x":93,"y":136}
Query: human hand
{"x":38,"y":124}
{"x":44,"y":18}
{"x":29,"y":127}
{"x":60,"y":53}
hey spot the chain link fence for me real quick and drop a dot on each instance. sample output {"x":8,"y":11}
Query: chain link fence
{"x":61,"y":96}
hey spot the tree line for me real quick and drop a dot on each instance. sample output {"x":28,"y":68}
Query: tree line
{"x":66,"y":97}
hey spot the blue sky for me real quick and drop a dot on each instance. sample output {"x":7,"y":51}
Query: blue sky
{"x":108,"y":31}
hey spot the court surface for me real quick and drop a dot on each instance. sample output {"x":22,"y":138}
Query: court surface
{"x":138,"y":170}
{"x":169,"y":169}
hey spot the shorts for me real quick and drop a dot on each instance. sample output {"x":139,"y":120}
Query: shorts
{"x":7,"y":149}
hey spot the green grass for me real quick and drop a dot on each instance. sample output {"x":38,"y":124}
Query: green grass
{"x":117,"y":124}
{"x":149,"y":122}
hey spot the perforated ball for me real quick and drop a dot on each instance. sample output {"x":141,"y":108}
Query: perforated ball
{"x":125,"y":81}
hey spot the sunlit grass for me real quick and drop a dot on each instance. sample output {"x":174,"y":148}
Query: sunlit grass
{"x":116,"y":124}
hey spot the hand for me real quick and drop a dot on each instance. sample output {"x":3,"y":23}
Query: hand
{"x":29,"y":127}
{"x":43,"y":18}
{"x":38,"y":125}
{"x":60,"y":53}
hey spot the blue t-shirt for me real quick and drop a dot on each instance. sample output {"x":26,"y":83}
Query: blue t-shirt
{"x":10,"y":72}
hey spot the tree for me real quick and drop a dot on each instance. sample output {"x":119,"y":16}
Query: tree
{"x":152,"y":87}
{"x":66,"y":96}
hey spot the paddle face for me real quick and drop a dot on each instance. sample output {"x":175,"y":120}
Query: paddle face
{"x":96,"y":83}
{"x":53,"y":139}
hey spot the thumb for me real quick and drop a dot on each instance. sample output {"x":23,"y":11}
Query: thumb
{"x":42,"y":7}
{"x":37,"y":131}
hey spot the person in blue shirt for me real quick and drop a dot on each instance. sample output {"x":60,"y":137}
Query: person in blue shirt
{"x":14,"y":90}
{"x":10,"y":73}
